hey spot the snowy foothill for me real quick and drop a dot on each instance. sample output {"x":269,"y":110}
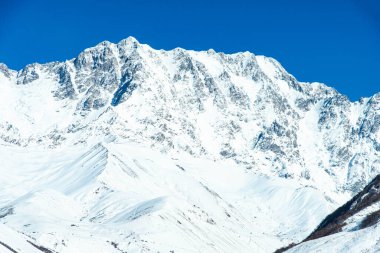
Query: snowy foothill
{"x":136,"y":198}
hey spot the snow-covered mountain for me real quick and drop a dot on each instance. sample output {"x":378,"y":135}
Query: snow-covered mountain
{"x":127,"y":149}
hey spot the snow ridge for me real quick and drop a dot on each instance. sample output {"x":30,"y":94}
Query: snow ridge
{"x":127,"y":135}
{"x":355,"y":225}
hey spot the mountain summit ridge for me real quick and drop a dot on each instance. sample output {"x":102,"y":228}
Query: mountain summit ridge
{"x":223,"y":106}
{"x":130,"y":149}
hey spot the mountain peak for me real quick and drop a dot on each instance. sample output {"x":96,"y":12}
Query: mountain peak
{"x":162,"y":97}
{"x":129,"y":41}
{"x":236,"y":129}
{"x":5,"y":70}
{"x":105,"y":43}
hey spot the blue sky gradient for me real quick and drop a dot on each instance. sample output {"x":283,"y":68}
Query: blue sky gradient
{"x":336,"y":42}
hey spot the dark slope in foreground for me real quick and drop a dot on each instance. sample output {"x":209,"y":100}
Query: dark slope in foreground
{"x":336,"y":221}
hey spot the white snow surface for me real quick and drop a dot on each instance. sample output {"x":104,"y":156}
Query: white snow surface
{"x":364,"y":240}
{"x":131,"y":149}
{"x":12,"y":241}
{"x":122,"y":197}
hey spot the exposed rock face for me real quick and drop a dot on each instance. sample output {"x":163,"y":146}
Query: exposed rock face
{"x":28,"y":74}
{"x":238,"y":106}
{"x":5,"y":71}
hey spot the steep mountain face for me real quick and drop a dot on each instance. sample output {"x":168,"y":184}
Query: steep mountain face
{"x":354,"y":226}
{"x":240,"y":106}
{"x":301,"y":146}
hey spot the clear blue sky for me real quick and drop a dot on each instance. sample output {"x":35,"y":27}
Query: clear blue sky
{"x":336,"y":42}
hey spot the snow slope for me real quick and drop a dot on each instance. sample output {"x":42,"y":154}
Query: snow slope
{"x":354,"y":227}
{"x":127,"y":198}
{"x":365,"y":240}
{"x":14,"y":242}
{"x":131,"y":149}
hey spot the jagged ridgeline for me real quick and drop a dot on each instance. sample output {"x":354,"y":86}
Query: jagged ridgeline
{"x":221,"y":106}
